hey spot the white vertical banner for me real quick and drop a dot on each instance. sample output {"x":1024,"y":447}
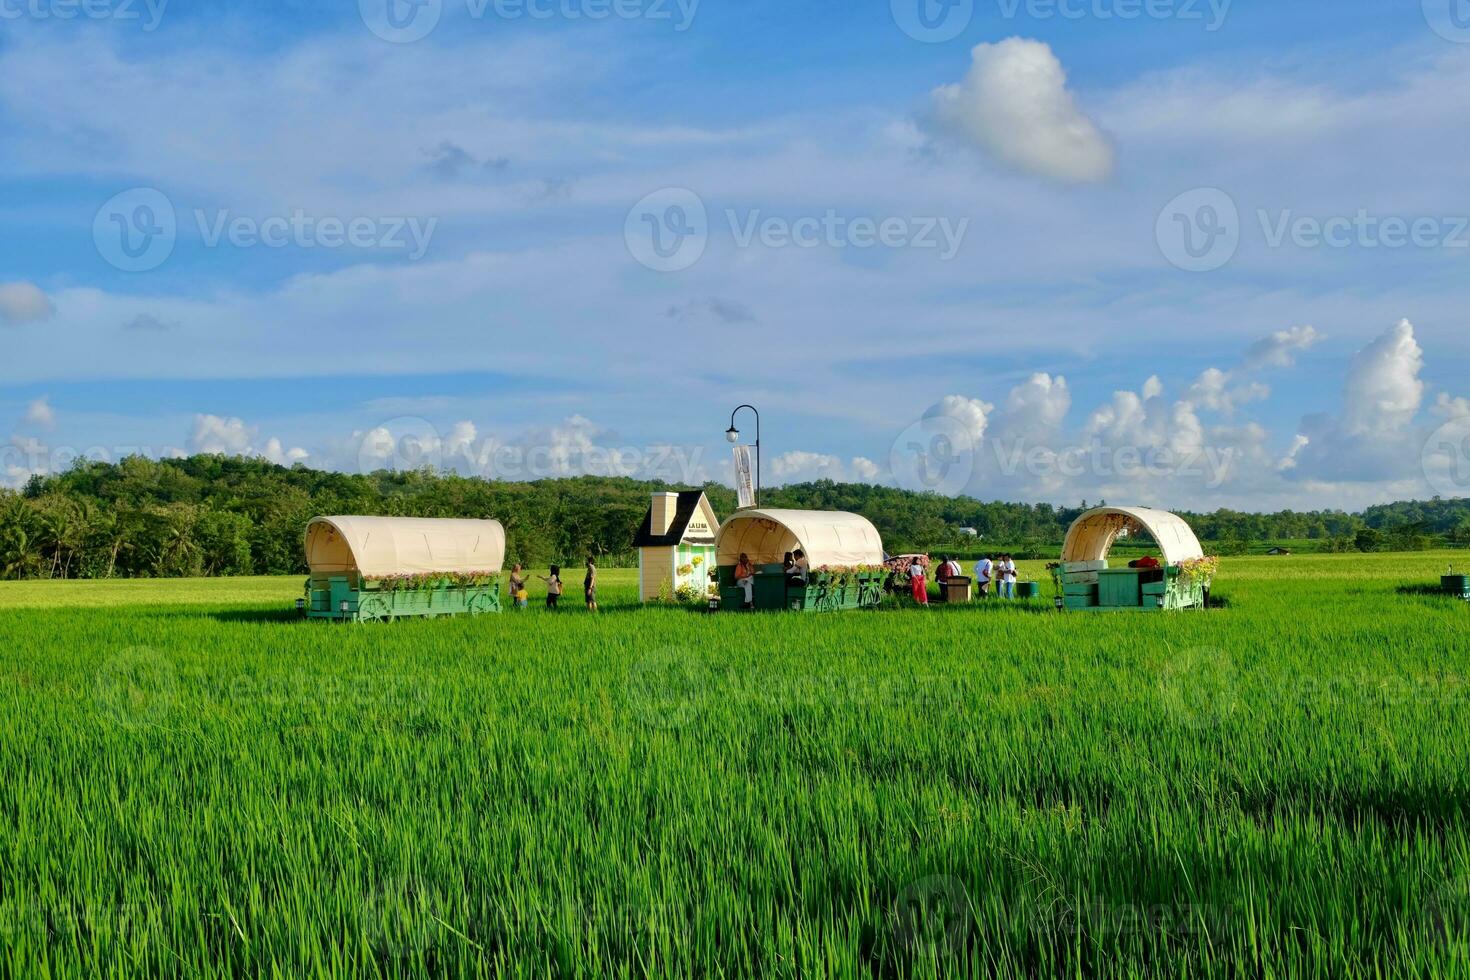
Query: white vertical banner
{"x":744,"y":484}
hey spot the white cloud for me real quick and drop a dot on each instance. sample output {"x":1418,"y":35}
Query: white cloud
{"x":1384,"y":393}
{"x":228,"y":437}
{"x":864,"y":470}
{"x":577,"y":446}
{"x":805,"y":467}
{"x":1214,"y":390}
{"x":1144,"y":447}
{"x":40,"y":414}
{"x":1280,"y":349}
{"x":232,"y":437}
{"x":1040,"y":404}
{"x":1124,"y":419}
{"x":23,"y":302}
{"x":20,"y":459}
{"x":461,"y":438}
{"x":276,"y":453}
{"x":1014,"y":104}
{"x":798,"y":466}
{"x":1289,"y":461}
{"x":972,"y":414}
{"x":1375,"y":439}
{"x":1446,"y":407}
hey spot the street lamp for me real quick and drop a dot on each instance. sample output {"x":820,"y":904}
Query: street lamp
{"x":733,"y":434}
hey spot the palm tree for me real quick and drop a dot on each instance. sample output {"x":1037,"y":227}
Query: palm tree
{"x":177,"y":548}
{"x":15,"y":550}
{"x":60,"y":532}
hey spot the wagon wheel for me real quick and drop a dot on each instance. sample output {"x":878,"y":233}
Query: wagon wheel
{"x":482,"y":603}
{"x":374,"y":609}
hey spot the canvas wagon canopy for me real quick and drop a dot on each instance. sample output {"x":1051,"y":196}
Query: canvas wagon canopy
{"x":1092,"y":535}
{"x":828,"y":538}
{"x":377,"y":547}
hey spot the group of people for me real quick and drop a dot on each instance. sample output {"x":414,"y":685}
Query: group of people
{"x":521,"y":595}
{"x":795,"y":567}
{"x":1000,"y":573}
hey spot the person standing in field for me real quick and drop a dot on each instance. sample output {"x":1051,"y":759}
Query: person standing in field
{"x":745,"y":578}
{"x":984,"y":575}
{"x":553,"y":587}
{"x":1008,"y":576}
{"x":942,"y":576}
{"x":518,"y":587}
{"x":919,"y":583}
{"x":589,"y":585}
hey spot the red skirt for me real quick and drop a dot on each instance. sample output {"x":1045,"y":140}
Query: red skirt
{"x":921,"y":590}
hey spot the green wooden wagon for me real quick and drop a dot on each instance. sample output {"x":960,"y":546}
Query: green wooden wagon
{"x":1087,"y":583}
{"x":378,"y":569}
{"x":844,"y":553}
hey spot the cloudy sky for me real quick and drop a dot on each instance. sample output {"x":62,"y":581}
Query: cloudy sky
{"x":1191,"y":253}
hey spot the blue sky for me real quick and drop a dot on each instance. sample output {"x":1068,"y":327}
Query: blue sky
{"x":1175,"y":252}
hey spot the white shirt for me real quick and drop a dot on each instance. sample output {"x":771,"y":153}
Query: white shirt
{"x":916,"y":571}
{"x":982,"y":569}
{"x":1008,"y":571}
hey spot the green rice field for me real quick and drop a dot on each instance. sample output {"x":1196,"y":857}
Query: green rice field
{"x":194,"y":783}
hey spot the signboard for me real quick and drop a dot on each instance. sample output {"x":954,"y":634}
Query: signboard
{"x":699,"y":532}
{"x":744,"y":484}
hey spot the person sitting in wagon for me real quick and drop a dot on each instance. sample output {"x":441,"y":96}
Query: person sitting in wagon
{"x":745,"y":578}
{"x":801,"y":568}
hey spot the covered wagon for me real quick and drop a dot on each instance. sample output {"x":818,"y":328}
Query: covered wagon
{"x":843,"y":552}
{"x":366,"y":569}
{"x":1178,"y":580}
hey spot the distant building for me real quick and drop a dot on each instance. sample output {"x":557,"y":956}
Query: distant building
{"x":969,"y":532}
{"x":676,"y":544}
{"x":1279,"y":551}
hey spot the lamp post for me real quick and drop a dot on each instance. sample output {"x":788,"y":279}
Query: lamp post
{"x":733,"y":434}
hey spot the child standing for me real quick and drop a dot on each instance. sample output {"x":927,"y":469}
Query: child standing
{"x":518,"y":588}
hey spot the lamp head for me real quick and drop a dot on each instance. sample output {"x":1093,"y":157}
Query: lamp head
{"x":733,"y":435}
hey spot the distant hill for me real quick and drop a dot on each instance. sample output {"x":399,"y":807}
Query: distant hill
{"x":217,"y":515}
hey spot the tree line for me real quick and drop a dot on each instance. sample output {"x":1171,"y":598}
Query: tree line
{"x":217,"y":515}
